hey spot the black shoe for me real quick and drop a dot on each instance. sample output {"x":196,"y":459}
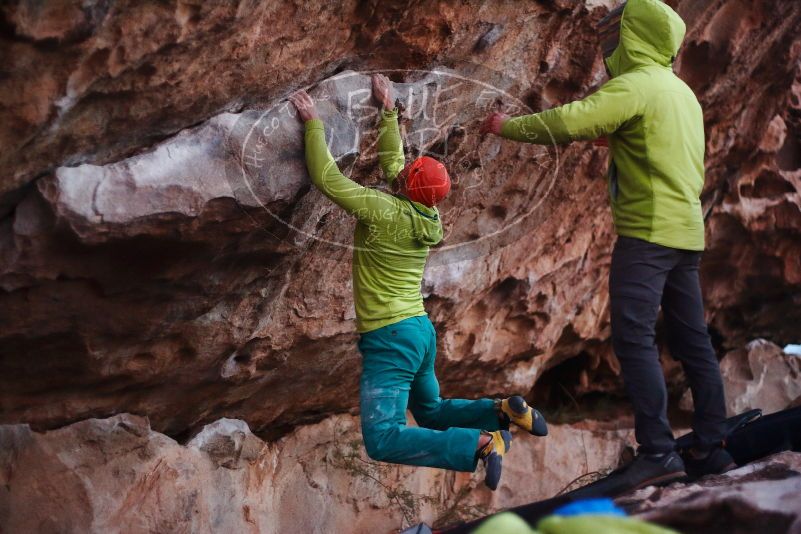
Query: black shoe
{"x":715,"y":462}
{"x":644,"y":470}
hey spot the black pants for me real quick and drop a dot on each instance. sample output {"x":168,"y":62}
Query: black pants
{"x":643,"y":276}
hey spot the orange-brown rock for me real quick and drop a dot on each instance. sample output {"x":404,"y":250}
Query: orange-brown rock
{"x":762,"y":497}
{"x":760,"y":375}
{"x":116,"y":474}
{"x":140,"y":273}
{"x":136,"y":276}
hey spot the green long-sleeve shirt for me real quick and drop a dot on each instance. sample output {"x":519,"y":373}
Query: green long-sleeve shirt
{"x":392,"y":236}
{"x":655,"y":128}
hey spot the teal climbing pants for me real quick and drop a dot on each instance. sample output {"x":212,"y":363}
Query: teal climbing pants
{"x":398,"y":373}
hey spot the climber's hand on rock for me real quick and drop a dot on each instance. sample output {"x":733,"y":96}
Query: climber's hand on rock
{"x":382,"y":90}
{"x":305,"y":105}
{"x":493,"y":123}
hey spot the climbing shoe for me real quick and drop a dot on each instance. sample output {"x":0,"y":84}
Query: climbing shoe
{"x":644,"y":470}
{"x":516,"y":410}
{"x":713,"y":462}
{"x":492,"y":455}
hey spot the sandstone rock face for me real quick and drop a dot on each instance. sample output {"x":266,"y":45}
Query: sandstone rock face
{"x":253,"y":159}
{"x":201,"y":277}
{"x":760,"y":375}
{"x":753,"y":260}
{"x":118,"y":475}
{"x":162,"y":252}
{"x":761,"y":497}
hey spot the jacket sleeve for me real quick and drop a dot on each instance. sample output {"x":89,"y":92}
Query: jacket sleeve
{"x":601,"y":113}
{"x":390,"y":145}
{"x":363,"y":202}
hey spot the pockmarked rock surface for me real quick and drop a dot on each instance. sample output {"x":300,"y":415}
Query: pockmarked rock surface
{"x":163,"y":253}
{"x":201,"y":276}
{"x":759,"y":375}
{"x":118,"y":475}
{"x":761,"y":497}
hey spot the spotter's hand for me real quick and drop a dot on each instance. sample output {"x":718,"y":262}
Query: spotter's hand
{"x":493,"y":123}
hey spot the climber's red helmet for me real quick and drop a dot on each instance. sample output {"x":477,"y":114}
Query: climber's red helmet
{"x":425,"y":180}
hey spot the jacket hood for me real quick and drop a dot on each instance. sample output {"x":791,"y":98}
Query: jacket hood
{"x":650,"y":34}
{"x":426,"y":224}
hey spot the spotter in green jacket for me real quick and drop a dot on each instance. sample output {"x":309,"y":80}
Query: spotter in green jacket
{"x":655,"y":128}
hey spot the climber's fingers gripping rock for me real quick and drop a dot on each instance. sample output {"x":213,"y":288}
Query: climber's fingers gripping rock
{"x":382,"y":90}
{"x":305,"y":105}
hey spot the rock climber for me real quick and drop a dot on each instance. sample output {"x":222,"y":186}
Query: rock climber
{"x":655,"y":131}
{"x":397,"y":340}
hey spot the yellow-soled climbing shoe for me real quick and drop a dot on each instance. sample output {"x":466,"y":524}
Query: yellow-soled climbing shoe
{"x":524,"y":416}
{"x":492,"y":455}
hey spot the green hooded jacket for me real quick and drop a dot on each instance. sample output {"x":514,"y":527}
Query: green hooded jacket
{"x":655,"y":129}
{"x":393,"y":234}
